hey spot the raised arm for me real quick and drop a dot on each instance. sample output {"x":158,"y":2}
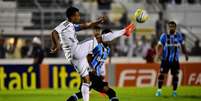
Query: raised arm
{"x":90,"y":24}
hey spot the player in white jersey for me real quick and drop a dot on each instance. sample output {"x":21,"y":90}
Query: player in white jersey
{"x":76,"y":52}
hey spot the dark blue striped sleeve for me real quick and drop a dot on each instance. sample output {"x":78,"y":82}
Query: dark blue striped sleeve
{"x":180,"y":38}
{"x":77,"y":27}
{"x":162,"y":39}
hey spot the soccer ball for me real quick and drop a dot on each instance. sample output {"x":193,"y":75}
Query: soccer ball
{"x":141,"y":15}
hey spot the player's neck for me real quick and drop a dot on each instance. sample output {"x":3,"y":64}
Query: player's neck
{"x":105,"y":45}
{"x":69,"y":20}
{"x":172,"y":33}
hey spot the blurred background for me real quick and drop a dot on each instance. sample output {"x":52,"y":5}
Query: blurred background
{"x":22,"y":20}
{"x":26,"y":25}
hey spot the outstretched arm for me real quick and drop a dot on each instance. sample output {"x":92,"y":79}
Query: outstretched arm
{"x":55,"y":42}
{"x":91,"y":24}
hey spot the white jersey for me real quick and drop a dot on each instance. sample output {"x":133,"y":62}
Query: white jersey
{"x":67,"y":34}
{"x":68,"y":38}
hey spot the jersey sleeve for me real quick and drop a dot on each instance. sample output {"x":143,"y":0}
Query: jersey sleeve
{"x":162,"y":39}
{"x":180,"y":38}
{"x":77,"y":27}
{"x":58,"y":29}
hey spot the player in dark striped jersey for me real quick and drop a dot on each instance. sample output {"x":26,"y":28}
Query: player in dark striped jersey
{"x":169,"y":47}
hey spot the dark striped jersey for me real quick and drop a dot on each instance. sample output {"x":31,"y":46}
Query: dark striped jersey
{"x":99,"y":54}
{"x":171,"y":46}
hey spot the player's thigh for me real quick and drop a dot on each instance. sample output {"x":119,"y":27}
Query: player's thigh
{"x":164,"y":68}
{"x":175,"y":68}
{"x":84,"y":48}
{"x":81,"y":66}
{"x":102,"y":70}
{"x":67,"y":53}
{"x":97,"y":83}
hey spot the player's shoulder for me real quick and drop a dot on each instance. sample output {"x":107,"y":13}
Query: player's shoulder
{"x":98,"y":47}
{"x":163,"y":35}
{"x":179,"y":33}
{"x":65,"y":25}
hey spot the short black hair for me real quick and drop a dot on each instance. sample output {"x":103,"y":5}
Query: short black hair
{"x":172,"y":23}
{"x":105,"y":31}
{"x":71,"y":11}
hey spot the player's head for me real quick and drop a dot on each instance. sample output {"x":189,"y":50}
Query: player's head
{"x":97,"y":31}
{"x":73,"y":14}
{"x":172,"y":27}
{"x":36,"y":41}
{"x":105,"y":31}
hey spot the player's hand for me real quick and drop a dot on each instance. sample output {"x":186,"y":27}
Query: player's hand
{"x":101,"y":19}
{"x":54,"y":50}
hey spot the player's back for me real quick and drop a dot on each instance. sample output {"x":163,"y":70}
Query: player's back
{"x":67,"y":34}
{"x":100,"y":54}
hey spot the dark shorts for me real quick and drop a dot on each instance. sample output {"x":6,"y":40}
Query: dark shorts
{"x":97,"y":83}
{"x":173,"y":66}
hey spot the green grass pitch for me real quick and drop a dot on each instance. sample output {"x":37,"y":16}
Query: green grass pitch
{"x":124,"y":94}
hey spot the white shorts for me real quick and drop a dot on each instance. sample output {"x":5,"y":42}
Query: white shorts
{"x":79,"y":54}
{"x":102,"y":70}
{"x":81,"y":66}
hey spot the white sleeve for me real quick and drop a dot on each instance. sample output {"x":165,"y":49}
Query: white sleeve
{"x":112,"y":35}
{"x":58,"y":29}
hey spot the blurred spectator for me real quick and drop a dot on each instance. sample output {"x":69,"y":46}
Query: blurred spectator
{"x":144,"y":45}
{"x":131,"y":45}
{"x":2,"y":48}
{"x":36,"y":51}
{"x":191,"y":1}
{"x":104,"y":4}
{"x":108,"y":23}
{"x":124,"y":20}
{"x":11,"y":48}
{"x":178,"y":2}
{"x":163,"y":4}
{"x":152,"y":5}
{"x":196,"y":50}
{"x":24,"y":49}
{"x":64,"y":3}
{"x":121,"y":47}
{"x":151,"y":53}
{"x":161,"y":25}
